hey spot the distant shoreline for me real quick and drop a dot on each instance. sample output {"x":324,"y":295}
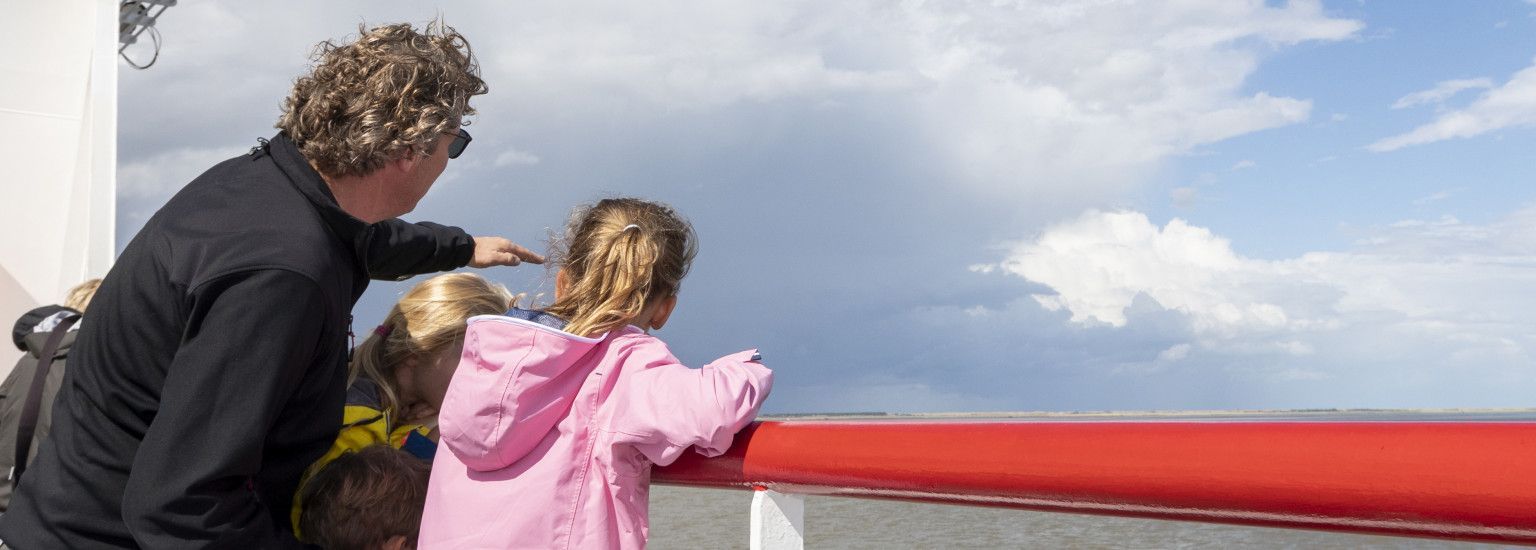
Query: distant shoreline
{"x":1398,"y":414}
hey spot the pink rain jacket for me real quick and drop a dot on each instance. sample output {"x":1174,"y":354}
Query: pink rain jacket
{"x":548,"y":437}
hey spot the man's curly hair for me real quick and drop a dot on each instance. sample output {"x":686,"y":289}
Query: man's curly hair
{"x":393,"y":90}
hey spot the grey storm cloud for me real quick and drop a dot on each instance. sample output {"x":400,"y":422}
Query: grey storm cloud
{"x":844,"y":164}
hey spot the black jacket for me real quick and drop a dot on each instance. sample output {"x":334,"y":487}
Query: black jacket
{"x":30,"y":334}
{"x":213,"y":368}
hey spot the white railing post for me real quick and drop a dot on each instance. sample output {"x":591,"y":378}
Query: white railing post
{"x":778,"y":521}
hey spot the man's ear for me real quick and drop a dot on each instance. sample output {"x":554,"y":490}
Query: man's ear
{"x":406,"y":161}
{"x":663,"y":312}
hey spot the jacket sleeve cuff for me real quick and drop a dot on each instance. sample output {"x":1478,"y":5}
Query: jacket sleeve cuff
{"x":463,"y":248}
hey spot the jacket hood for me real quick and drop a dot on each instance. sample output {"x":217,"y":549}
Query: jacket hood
{"x":515,"y":381}
{"x":30,"y":333}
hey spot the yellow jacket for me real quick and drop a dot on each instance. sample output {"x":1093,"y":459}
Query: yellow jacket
{"x":364,"y":422}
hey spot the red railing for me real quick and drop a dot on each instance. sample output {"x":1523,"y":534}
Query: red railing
{"x":1472,"y":481}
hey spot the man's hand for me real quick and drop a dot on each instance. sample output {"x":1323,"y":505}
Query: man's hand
{"x":494,"y":251}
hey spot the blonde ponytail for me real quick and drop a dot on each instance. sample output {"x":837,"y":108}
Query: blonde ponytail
{"x":618,"y":256}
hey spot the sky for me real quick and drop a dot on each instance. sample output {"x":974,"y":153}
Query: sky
{"x":980,"y":206}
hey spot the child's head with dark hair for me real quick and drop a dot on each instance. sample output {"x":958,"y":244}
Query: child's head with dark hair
{"x":367,"y":500}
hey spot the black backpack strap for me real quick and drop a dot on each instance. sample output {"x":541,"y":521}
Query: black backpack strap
{"x":34,"y":402}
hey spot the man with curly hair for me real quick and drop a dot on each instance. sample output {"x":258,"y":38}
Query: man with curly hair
{"x":213,"y":368}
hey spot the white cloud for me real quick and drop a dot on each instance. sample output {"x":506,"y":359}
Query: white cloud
{"x":1442,"y":285}
{"x":1441,"y":92}
{"x":1184,"y":197}
{"x":1302,"y":374}
{"x":1174,"y":353}
{"x":1062,"y":97}
{"x":1099,"y":263}
{"x":684,"y":56}
{"x":1244,"y":165}
{"x":1435,"y":197}
{"x":1509,"y":106}
{"x":514,"y":157}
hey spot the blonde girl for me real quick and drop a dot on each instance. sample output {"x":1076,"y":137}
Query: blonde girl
{"x":398,"y":375}
{"x":553,"y":421}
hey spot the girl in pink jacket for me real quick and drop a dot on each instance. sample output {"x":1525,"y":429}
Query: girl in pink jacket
{"x":554,"y":418}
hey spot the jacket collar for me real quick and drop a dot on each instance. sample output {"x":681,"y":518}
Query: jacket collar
{"x":285,"y":153}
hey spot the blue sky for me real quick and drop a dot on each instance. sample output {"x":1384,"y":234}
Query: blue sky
{"x":984,"y":206}
{"x":1313,"y":182}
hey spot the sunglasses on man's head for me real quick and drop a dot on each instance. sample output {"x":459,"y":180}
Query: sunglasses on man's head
{"x":461,"y":140}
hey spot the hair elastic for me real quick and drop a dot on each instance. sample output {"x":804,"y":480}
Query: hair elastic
{"x":631,"y":226}
{"x":384,"y":330}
